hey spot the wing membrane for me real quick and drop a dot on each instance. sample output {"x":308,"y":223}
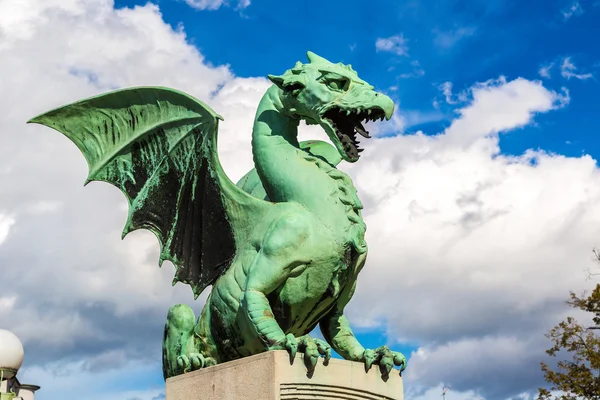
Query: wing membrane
{"x":158,"y":146}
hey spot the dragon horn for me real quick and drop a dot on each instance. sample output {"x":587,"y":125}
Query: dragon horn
{"x":313,"y":58}
{"x":278,"y":80}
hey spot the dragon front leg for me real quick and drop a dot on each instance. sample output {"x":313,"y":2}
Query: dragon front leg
{"x":259,"y":313}
{"x":336,"y":330}
{"x":281,"y":255}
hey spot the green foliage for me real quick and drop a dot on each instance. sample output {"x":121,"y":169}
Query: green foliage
{"x":579,"y":376}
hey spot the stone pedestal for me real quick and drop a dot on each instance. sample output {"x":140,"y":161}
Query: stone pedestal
{"x":269,"y":376}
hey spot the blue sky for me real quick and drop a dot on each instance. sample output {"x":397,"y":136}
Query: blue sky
{"x":453,"y":41}
{"x":472,"y":250}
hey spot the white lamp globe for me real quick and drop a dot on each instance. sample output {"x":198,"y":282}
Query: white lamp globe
{"x":11,"y":354}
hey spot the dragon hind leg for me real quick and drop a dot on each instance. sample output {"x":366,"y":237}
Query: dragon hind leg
{"x":180,"y":347}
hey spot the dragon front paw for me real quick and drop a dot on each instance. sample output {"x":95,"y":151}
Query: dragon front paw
{"x":385,"y":358}
{"x":191,"y":362}
{"x":312,"y":349}
{"x":289,"y":343}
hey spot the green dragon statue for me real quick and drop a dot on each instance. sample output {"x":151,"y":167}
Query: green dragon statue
{"x":282,"y":249}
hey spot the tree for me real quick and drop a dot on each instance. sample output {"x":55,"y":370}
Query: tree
{"x":579,"y":377}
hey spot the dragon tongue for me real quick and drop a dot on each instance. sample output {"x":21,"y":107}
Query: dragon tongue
{"x":360,"y":129}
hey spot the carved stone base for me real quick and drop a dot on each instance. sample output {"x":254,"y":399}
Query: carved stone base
{"x":269,"y":376}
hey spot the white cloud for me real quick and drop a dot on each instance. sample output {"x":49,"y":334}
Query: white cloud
{"x":544,"y":70}
{"x":417,"y":71}
{"x":396,"y":44}
{"x":446,"y":89}
{"x":447,"y":39}
{"x":499,"y":106}
{"x":471,"y":252}
{"x":44,"y":207}
{"x":118,"y":382}
{"x":574,"y":9}
{"x":215,"y":4}
{"x":7,"y":303}
{"x":5,"y":223}
{"x":471,"y":356}
{"x":450,"y":97}
{"x":478,"y":248}
{"x":567,"y":70}
{"x":65,"y":242}
{"x":435,"y":393}
{"x":205,"y":4}
{"x":243,"y":4}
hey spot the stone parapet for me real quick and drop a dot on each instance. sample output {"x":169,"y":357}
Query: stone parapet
{"x":269,"y":376}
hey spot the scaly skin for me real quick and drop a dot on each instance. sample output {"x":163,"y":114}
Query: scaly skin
{"x":300,"y":263}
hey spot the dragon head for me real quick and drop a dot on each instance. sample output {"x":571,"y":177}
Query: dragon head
{"x":333,"y":96}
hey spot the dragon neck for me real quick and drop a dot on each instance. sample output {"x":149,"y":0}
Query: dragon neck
{"x":280,"y":163}
{"x":290,"y":174}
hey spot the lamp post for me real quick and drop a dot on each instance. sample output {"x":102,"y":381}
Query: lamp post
{"x":11,"y":359}
{"x":444,"y":391}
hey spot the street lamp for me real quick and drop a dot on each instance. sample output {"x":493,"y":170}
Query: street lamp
{"x":11,"y":359}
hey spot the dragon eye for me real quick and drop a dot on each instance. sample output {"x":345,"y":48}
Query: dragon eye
{"x":293,"y":88}
{"x":338,"y":84}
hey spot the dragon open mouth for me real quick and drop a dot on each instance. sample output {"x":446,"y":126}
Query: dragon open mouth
{"x":348,"y":123}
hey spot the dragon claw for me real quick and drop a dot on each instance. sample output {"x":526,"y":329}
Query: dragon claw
{"x":385,"y":358}
{"x":386,"y":363}
{"x":191,"y":362}
{"x":324,"y":350}
{"x":197,"y":361}
{"x":400,"y":361}
{"x":289,"y":343}
{"x":311,"y":353}
{"x":369,"y":359}
{"x":183,"y":364}
{"x":311,"y":348}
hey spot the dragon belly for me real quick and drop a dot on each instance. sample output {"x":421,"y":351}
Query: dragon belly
{"x":304,"y":300}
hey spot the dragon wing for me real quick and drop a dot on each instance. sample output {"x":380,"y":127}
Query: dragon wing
{"x":159,"y":146}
